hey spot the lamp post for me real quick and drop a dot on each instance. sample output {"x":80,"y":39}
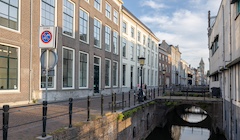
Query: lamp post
{"x":141,"y":61}
{"x":163,"y":72}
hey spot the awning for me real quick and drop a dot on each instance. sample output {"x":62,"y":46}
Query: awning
{"x":233,"y":1}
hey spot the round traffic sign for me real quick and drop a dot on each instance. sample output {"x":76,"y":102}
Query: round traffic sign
{"x":46,"y":36}
{"x":51,"y":61}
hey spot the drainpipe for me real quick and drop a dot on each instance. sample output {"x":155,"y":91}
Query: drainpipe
{"x":30,"y":60}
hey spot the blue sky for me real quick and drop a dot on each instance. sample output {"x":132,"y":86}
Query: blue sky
{"x":178,"y":22}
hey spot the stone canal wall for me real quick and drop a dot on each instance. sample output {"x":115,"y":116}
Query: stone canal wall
{"x":131,"y":124}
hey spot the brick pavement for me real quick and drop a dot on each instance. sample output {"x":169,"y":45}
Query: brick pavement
{"x":25,"y":123}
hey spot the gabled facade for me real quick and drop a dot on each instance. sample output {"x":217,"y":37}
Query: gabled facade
{"x":224,"y":56}
{"x":137,"y":41}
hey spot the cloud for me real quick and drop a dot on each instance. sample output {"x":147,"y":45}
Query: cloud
{"x":185,"y":26}
{"x":153,"y":4}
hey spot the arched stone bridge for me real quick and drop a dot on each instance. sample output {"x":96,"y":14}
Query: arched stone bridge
{"x":213,"y":107}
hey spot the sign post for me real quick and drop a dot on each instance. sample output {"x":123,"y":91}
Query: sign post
{"x":48,"y":61}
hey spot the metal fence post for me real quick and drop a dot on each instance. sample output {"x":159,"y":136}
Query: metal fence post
{"x":112,"y":102}
{"x":70,"y":112}
{"x":122,"y":100}
{"x":129,"y":99}
{"x":101,"y":105}
{"x":5,"y":121}
{"x":115,"y":99}
{"x":44,"y":118}
{"x":88,"y":108}
{"x":134,"y":96}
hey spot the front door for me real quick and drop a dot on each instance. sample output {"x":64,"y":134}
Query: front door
{"x":96,"y":79}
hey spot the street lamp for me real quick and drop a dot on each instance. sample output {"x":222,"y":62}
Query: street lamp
{"x":163,"y":72}
{"x":141,"y":61}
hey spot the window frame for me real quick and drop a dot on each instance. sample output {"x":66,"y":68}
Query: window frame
{"x":115,"y":16}
{"x":73,"y":24}
{"x":124,"y":28}
{"x":131,"y":54}
{"x":132,"y":31}
{"x":73,"y":72}
{"x":100,"y":32}
{"x":115,"y":38}
{"x":139,"y":36}
{"x":109,"y":74}
{"x":55,"y":10}
{"x":110,"y":35}
{"x":124,"y":75}
{"x":18,"y":71}
{"x":124,"y":49}
{"x":81,"y":9}
{"x":116,"y":74}
{"x":87,"y":78}
{"x":108,"y":11}
{"x":99,"y":3}
{"x":19,"y":19}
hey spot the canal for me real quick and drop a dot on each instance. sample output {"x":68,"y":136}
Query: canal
{"x":178,"y":132}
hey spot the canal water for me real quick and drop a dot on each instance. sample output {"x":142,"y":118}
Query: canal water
{"x":184,"y":132}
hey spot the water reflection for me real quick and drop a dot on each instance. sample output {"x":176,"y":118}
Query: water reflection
{"x":189,"y":133}
{"x":194,"y":114}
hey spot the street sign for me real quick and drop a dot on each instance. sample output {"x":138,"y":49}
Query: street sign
{"x":47,"y":37}
{"x":48,"y":59}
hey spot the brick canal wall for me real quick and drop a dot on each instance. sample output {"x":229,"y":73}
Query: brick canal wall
{"x":137,"y":124}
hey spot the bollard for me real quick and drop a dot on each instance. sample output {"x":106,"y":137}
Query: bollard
{"x":5,"y":121}
{"x":101,"y":105}
{"x":112,"y":102}
{"x":122,"y":100}
{"x":134,"y":96}
{"x":70,"y":112}
{"x":115,"y":99}
{"x":44,"y":118}
{"x":129,"y":99}
{"x":88,"y":108}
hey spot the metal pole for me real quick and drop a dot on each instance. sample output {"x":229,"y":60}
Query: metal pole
{"x":129,"y":99}
{"x":44,"y":118}
{"x":140,"y":95}
{"x":70,"y":112}
{"x":134,"y":100}
{"x":101,"y":105}
{"x":5,"y":121}
{"x":46,"y":76}
{"x":122,"y":100}
{"x":88,"y":108}
{"x":112,"y":101}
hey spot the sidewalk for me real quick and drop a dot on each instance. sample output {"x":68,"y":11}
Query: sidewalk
{"x":25,"y":123}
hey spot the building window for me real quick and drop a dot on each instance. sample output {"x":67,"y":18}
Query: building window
{"x":215,"y":77}
{"x":97,"y":4}
{"x":9,"y":11}
{"x":124,"y":47}
{"x":68,"y":14}
{"x":148,"y":57}
{"x":139,"y":36}
{"x":108,"y":11}
{"x":214,"y":46}
{"x":152,"y":59}
{"x":83,"y":23}
{"x":48,"y":12}
{"x":152,"y":45}
{"x":144,"y":52}
{"x":107,"y":38}
{"x":115,"y":42}
{"x":238,"y":6}
{"x":149,"y":42}
{"x":9,"y":70}
{"x":138,"y":50}
{"x":68,"y":69}
{"x":148,"y":77}
{"x":115,"y":17}
{"x":107,"y":73}
{"x":83,"y":70}
{"x":144,"y":40}
{"x":115,"y":73}
{"x":124,"y":75}
{"x":132,"y":32}
{"x":97,"y":33}
{"x":156,"y":78}
{"x":131,"y":51}
{"x":152,"y":77}
{"x":124,"y":27}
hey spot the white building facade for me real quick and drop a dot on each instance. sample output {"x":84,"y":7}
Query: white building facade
{"x":137,"y":41}
{"x":224,"y":56}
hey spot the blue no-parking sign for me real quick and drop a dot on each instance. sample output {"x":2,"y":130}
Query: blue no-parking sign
{"x":47,"y":37}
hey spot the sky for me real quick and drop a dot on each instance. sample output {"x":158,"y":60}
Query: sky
{"x":178,"y":22}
